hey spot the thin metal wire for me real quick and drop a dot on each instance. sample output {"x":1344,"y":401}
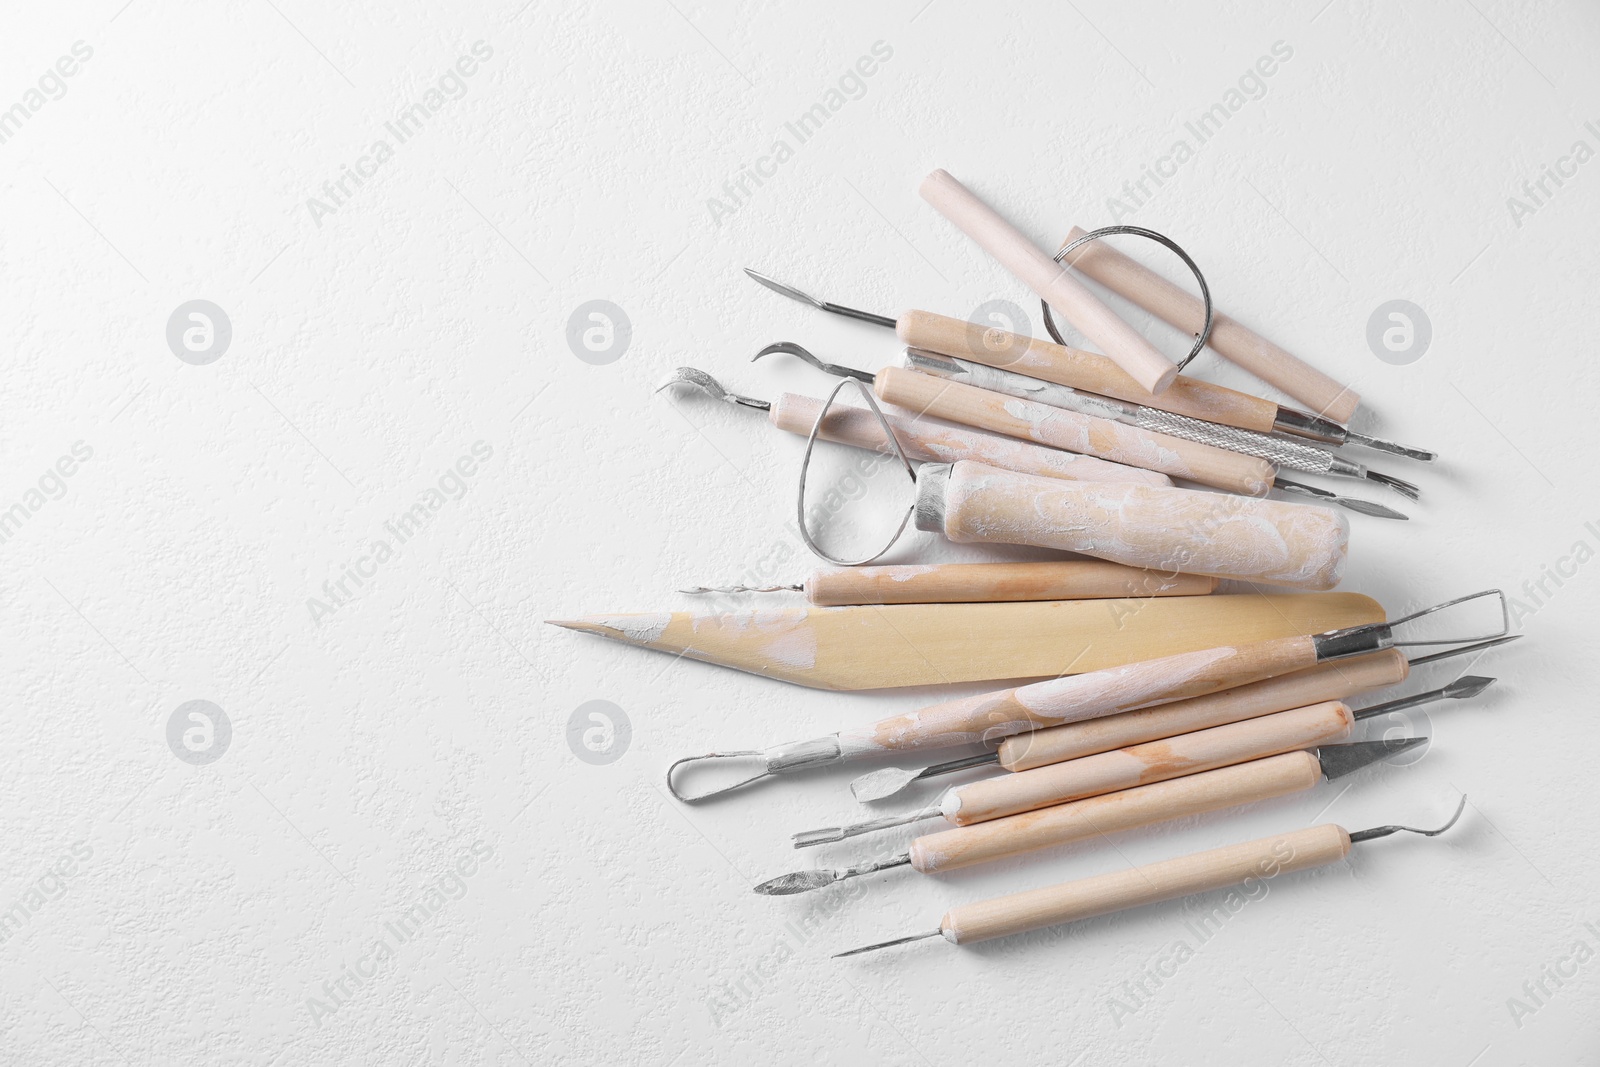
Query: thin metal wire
{"x":805,"y":467}
{"x":1162,"y":239}
{"x":1505,"y":620}
{"x":1394,"y":828}
{"x":673,"y":789}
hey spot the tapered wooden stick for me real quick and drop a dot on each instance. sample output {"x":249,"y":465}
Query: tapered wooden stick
{"x":931,"y":644}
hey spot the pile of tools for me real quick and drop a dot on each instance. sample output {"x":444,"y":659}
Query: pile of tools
{"x":1162,"y":695}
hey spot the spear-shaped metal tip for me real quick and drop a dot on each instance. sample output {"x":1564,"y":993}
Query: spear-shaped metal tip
{"x":785,"y":290}
{"x":1340,"y":760}
{"x":786,"y":885}
{"x":1469,"y":685}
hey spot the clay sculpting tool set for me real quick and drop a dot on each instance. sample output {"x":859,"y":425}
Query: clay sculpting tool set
{"x":1176,"y":646}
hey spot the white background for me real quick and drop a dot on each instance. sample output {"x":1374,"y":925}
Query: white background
{"x":374,"y":747}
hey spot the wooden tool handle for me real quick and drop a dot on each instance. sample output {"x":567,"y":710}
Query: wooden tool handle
{"x":1296,"y":545}
{"x":1239,"y":344}
{"x":990,"y":716}
{"x":1268,"y":857}
{"x":1132,"y":352}
{"x":925,"y":440}
{"x":1030,"y":420}
{"x":1078,"y":369}
{"x":961,"y":583}
{"x":1153,"y":761}
{"x":1335,"y":680}
{"x":1126,"y":809}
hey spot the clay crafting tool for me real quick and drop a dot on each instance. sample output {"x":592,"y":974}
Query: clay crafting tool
{"x":878,"y":647}
{"x":966,"y":583}
{"x":1084,"y":898}
{"x":1335,"y":680}
{"x":922,"y":440}
{"x":1042,"y":411}
{"x":1280,"y":451}
{"x":1126,"y":809}
{"x":1053,"y":283}
{"x":1238,"y":344}
{"x":1295,"y":545}
{"x":1156,"y":761}
{"x":990,"y":716}
{"x":1089,"y":372}
{"x":1072,"y":431}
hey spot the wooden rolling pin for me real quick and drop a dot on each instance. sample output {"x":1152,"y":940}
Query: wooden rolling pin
{"x":924,"y":440}
{"x":1044,"y":424}
{"x":1239,"y":344}
{"x":1295,"y":545}
{"x":960,"y":583}
{"x":1077,"y":369}
{"x":1054,"y":283}
{"x":879,"y":647}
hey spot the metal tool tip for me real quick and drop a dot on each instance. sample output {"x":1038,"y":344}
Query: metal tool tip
{"x":786,"y":885}
{"x":882,"y":783}
{"x":827,"y":835}
{"x":1468,"y":685}
{"x":887,"y":944}
{"x":1399,"y":485}
{"x":783,"y":290}
{"x":1368,"y":507}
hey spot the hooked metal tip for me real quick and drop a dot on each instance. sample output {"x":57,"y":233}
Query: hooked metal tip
{"x":698,"y":797}
{"x":1385,"y":831}
{"x":698,"y":590}
{"x":710,"y":386}
{"x":791,"y":349}
{"x":1422,"y":455}
{"x":1399,"y":485}
{"x":887,"y":944}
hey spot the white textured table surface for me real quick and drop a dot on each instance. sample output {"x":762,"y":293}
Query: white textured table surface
{"x":393,"y":854}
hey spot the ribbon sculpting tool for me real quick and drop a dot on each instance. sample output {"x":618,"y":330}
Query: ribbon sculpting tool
{"x":1157,"y":761}
{"x":918,"y":439}
{"x":1217,"y":868}
{"x":1089,"y":372}
{"x":965,"y":583}
{"x":991,"y":716}
{"x":1125,"y":809}
{"x":1334,"y":680}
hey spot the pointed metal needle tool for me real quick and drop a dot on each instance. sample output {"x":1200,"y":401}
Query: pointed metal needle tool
{"x":1006,"y":346}
{"x":1314,"y":846}
{"x":1169,"y":758}
{"x":1225,"y":787}
{"x":885,"y":782}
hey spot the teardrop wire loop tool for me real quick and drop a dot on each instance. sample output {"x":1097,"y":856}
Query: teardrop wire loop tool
{"x":920,"y":440}
{"x":1089,"y":372}
{"x":1217,"y":868}
{"x":963,"y":583}
{"x":991,"y":716}
{"x":1334,"y":680}
{"x":1125,"y":809}
{"x":1007,"y":795}
{"x":975,"y":396}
